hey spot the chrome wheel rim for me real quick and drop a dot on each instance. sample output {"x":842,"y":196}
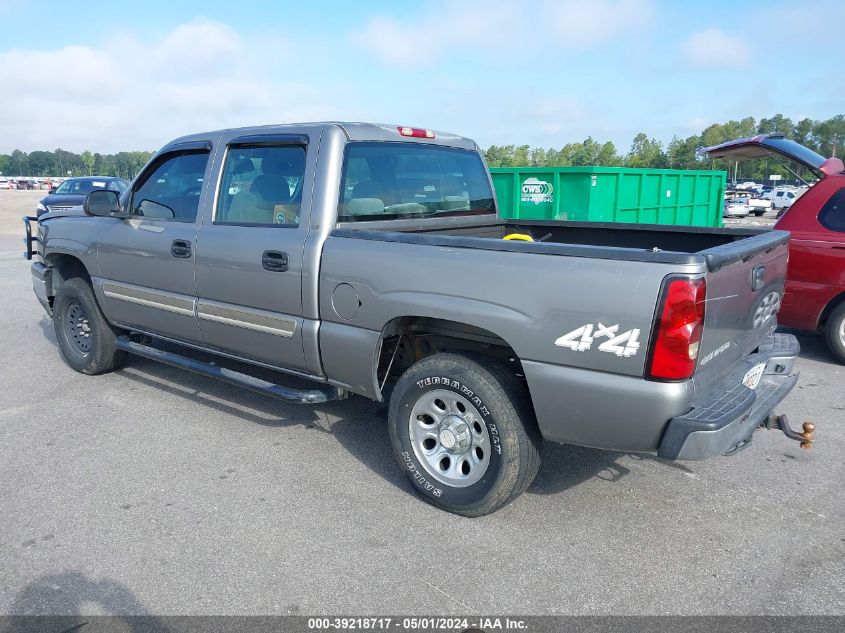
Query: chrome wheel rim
{"x":842,"y":331}
{"x":449,"y":438}
{"x":78,"y":329}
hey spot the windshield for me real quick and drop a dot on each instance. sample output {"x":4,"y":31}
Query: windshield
{"x":80,"y":186}
{"x":388,"y":181}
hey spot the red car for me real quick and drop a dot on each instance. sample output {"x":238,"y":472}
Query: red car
{"x":814,"y":298}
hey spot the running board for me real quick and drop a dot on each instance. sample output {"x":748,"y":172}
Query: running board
{"x":296,"y":396}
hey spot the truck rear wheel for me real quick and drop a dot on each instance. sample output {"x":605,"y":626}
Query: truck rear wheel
{"x":834,"y":332}
{"x":464,"y":433}
{"x":86,"y":339}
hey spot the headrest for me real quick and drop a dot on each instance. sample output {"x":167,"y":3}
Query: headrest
{"x":364,"y":206}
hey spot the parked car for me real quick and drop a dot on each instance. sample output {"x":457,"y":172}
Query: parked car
{"x":745,"y":185}
{"x":783,"y":198}
{"x":815,"y":285}
{"x":759,"y":205}
{"x":71,"y":193}
{"x":6,"y":184}
{"x":370,"y":259}
{"x":736,"y":208}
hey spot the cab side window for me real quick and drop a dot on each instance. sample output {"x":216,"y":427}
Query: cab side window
{"x":832,"y":214}
{"x":171,"y":189}
{"x":261,"y":184}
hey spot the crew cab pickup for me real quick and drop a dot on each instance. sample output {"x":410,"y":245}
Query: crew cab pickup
{"x":369,"y":259}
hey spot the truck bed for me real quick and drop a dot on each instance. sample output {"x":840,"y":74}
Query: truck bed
{"x":640,"y":242}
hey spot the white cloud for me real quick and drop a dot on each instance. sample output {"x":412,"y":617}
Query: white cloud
{"x":714,"y":47}
{"x":586,"y":24}
{"x":130,"y":93}
{"x":509,"y":27}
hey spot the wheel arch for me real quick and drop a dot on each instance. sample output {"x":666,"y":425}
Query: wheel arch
{"x":63,"y":266}
{"x":407,"y":339}
{"x":831,"y":305}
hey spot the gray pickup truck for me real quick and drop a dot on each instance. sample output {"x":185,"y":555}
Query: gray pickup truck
{"x":369,"y":259}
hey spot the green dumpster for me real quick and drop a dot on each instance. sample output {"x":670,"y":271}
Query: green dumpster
{"x":610,"y":194}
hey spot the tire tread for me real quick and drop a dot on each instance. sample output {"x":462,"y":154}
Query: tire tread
{"x":105,"y":356}
{"x":510,"y":393}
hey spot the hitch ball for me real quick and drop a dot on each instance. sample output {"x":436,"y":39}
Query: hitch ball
{"x":807,"y":436}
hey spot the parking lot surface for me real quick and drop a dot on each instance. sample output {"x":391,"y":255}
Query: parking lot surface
{"x":153,"y":490}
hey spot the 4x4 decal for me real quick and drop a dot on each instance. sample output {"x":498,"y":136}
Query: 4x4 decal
{"x":582,"y":338}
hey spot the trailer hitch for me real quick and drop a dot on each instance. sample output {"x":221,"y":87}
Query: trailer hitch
{"x":779,"y":422}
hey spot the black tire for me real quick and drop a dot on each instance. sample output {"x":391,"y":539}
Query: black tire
{"x":86,"y":339}
{"x":504,"y":408}
{"x":834,"y":332}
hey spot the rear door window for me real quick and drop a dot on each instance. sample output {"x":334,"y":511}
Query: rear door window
{"x":261,"y":184}
{"x":388,"y":181}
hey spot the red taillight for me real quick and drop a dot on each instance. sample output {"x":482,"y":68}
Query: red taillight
{"x":416,"y":132}
{"x":677,"y":333}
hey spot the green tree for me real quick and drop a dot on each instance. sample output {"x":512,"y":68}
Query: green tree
{"x":19,"y":163}
{"x":645,"y":152}
{"x":520,"y":156}
{"x":803,"y":133}
{"x":87,"y":159}
{"x":607,"y":156}
{"x":778,"y":124}
{"x":499,"y":156}
{"x":830,"y":136}
{"x":98,"y":165}
{"x":538,"y":157}
{"x":64,"y":162}
{"x":41,"y":163}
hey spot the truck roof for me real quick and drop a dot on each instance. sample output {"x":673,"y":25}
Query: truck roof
{"x":355,"y":131}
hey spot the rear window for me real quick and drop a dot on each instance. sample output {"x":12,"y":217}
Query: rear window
{"x":390,"y":181}
{"x":832,"y":214}
{"x":80,"y":186}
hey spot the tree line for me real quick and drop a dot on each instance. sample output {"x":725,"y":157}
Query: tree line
{"x":61,"y":162}
{"x":825,"y":137}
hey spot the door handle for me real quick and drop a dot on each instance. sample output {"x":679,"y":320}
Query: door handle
{"x":180,"y":249}
{"x":274,"y":261}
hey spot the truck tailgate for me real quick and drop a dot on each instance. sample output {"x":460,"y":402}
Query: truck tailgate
{"x":745,"y":282}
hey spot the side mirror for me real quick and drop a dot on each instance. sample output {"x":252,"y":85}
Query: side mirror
{"x":52,"y":190}
{"x":103,"y":203}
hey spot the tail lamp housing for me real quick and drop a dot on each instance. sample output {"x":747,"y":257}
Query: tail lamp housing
{"x":678,"y":326}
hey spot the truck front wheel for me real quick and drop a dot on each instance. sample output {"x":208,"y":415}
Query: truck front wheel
{"x":86,"y":339}
{"x":463,"y":431}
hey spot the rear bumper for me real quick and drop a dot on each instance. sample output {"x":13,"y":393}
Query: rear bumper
{"x":726,"y":415}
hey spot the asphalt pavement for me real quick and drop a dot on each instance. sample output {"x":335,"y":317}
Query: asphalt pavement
{"x":156,"y":491}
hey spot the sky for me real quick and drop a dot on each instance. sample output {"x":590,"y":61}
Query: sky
{"x":133,"y":75}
